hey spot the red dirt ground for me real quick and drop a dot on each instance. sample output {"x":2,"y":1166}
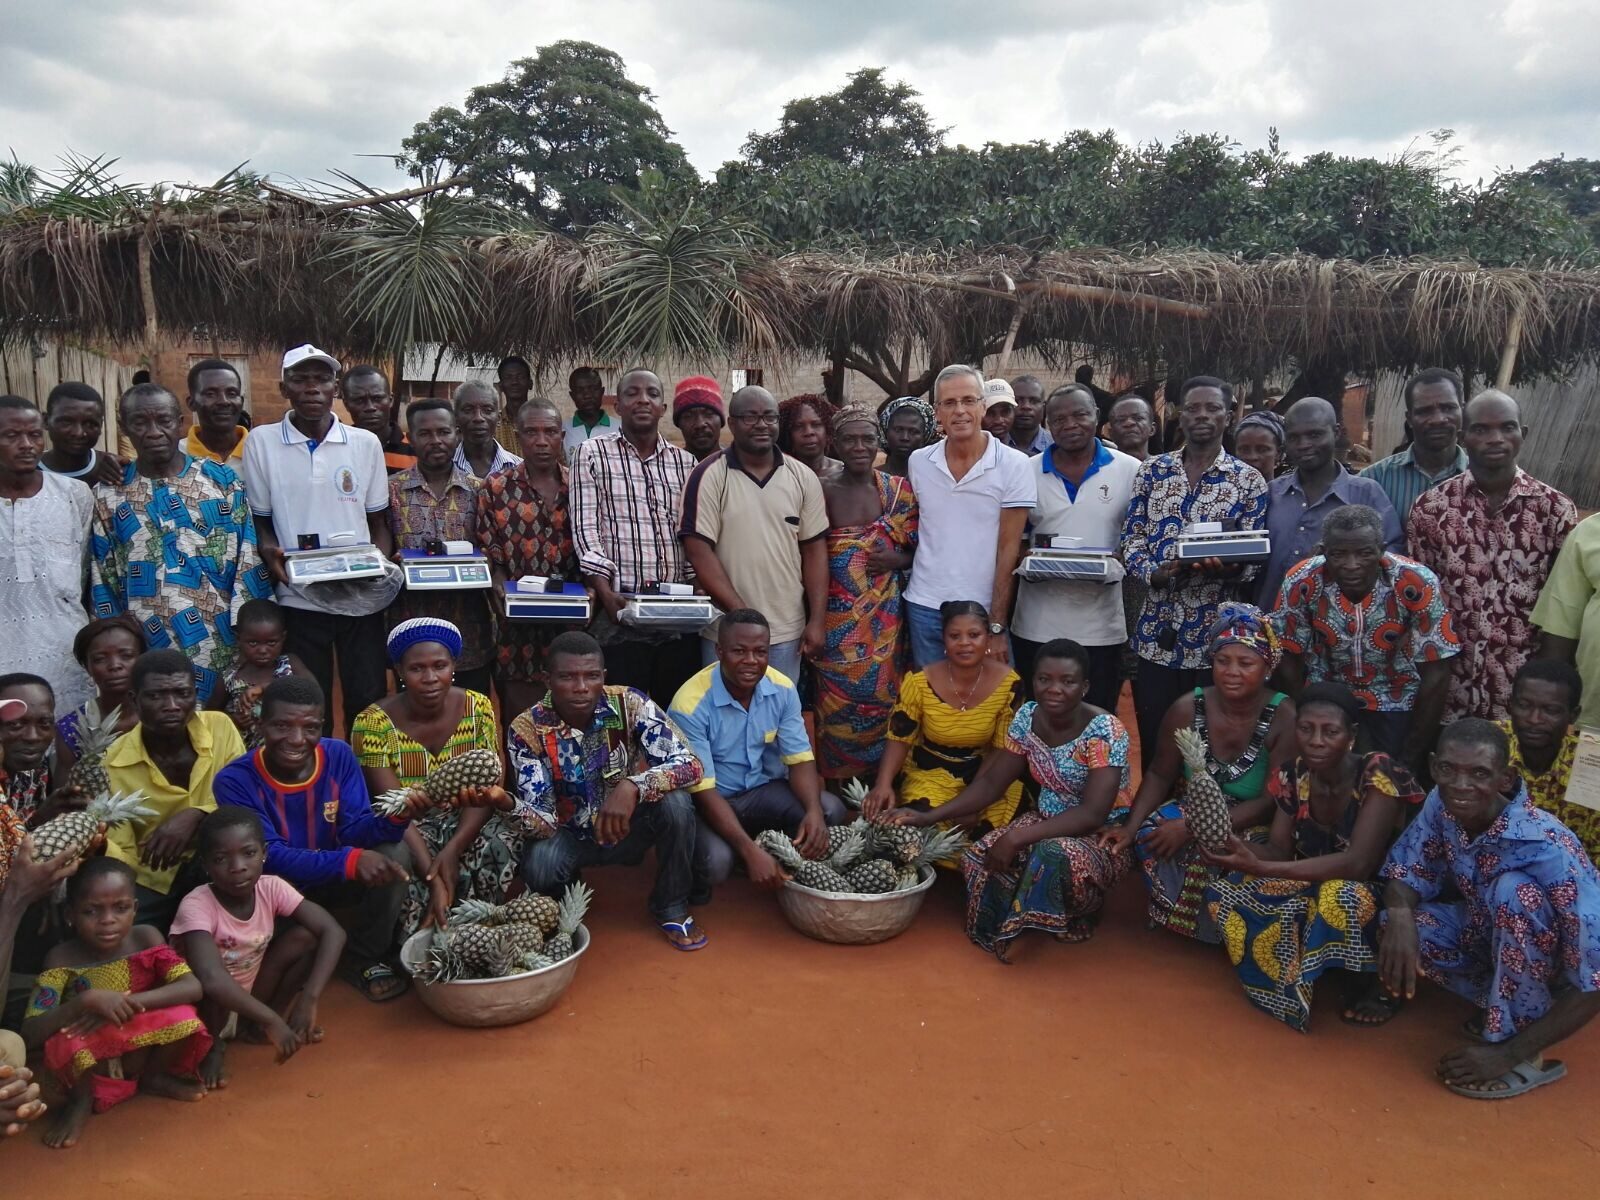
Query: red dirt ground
{"x":771,"y":1065}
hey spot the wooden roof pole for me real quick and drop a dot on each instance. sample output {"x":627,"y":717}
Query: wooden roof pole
{"x":1508,"y":350}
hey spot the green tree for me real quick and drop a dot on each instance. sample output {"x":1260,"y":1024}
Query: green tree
{"x":555,"y":139}
{"x":1574,"y":182}
{"x":866,"y":119}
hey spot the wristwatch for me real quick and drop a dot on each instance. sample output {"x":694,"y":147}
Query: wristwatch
{"x":996,"y":629}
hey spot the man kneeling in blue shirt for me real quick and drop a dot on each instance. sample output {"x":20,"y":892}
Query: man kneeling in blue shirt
{"x":742,"y":720}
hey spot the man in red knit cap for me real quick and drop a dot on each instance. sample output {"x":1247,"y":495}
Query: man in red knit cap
{"x":698,"y":413}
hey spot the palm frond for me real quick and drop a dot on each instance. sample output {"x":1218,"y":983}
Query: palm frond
{"x":411,"y":270}
{"x":677,"y":282}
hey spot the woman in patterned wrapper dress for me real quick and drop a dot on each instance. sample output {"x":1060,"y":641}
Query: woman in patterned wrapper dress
{"x":872,"y":531}
{"x":1248,"y":730}
{"x":1305,"y":902}
{"x":466,"y":853}
{"x":1046,"y":870}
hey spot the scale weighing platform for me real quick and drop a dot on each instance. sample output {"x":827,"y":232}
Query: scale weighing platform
{"x":527,"y":602}
{"x":668,"y":612}
{"x":334,"y":563}
{"x":1210,"y":540}
{"x":1056,"y":558}
{"x":444,"y":572}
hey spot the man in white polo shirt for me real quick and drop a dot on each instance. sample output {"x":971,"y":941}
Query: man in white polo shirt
{"x":973,"y":500}
{"x":1083,"y":491}
{"x":312,"y":477}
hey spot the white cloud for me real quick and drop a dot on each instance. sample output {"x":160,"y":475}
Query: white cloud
{"x":302,"y":88}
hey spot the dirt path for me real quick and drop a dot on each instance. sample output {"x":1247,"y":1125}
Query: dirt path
{"x":770,"y":1065}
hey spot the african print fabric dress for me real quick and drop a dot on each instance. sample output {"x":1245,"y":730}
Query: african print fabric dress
{"x":523,"y":534}
{"x":70,"y":1055}
{"x":948,"y":743}
{"x":1281,"y":934}
{"x":857,"y":677}
{"x":1178,"y":884}
{"x":488,"y":865}
{"x":1057,"y":885}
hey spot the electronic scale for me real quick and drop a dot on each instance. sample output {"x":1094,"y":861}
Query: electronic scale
{"x":1207,"y":539}
{"x":1054,"y":557}
{"x":333,"y":563}
{"x":449,"y":571}
{"x":534,"y":598}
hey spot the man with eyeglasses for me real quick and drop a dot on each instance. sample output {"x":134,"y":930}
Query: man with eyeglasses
{"x":753,"y":527}
{"x":311,"y":479}
{"x":173,"y":543}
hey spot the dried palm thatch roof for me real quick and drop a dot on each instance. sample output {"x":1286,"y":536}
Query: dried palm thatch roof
{"x":378,"y":273}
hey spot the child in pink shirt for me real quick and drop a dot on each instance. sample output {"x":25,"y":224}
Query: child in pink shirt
{"x":228,"y":932}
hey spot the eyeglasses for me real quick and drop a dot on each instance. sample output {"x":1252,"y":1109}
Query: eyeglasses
{"x":756,"y":418}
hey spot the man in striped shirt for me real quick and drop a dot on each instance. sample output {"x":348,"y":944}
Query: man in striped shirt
{"x":627,"y":503}
{"x":1433,"y":399}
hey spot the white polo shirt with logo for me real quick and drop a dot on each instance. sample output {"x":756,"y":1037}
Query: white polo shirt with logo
{"x":1090,"y":614}
{"x":958,"y":522}
{"x":326,"y":487}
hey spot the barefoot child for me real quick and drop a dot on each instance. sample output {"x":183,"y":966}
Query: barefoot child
{"x":272,"y":980}
{"x":261,"y":635}
{"x":114,"y":1007}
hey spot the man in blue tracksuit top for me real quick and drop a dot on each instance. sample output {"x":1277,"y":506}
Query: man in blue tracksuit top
{"x":321,"y":832}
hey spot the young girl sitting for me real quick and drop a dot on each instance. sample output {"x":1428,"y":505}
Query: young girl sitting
{"x":114,"y":1007}
{"x":226,"y":931}
{"x":261,"y":635}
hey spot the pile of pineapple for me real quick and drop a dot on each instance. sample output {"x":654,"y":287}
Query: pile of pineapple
{"x":485,"y":941}
{"x":864,"y":859}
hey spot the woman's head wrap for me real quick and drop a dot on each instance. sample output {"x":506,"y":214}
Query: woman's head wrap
{"x":1264,"y":419}
{"x":1240,"y":624}
{"x":853,"y":414}
{"x":922,"y":408}
{"x":423,"y":629}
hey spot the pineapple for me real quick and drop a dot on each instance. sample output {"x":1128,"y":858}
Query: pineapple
{"x":574,"y":903}
{"x":535,"y":962}
{"x":934,"y":845}
{"x":848,"y":848}
{"x":522,"y":939}
{"x":874,"y":876}
{"x":853,"y":793}
{"x":1203,"y":804}
{"x":88,"y":773}
{"x":467,"y":952}
{"x":903,"y":843}
{"x":475,"y":768}
{"x":75,"y":831}
{"x":530,"y":908}
{"x":816,"y":875}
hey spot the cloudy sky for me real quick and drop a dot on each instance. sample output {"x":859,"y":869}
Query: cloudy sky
{"x":299,"y":88}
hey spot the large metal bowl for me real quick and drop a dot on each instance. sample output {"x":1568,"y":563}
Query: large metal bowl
{"x":853,"y":918}
{"x":485,"y":1002}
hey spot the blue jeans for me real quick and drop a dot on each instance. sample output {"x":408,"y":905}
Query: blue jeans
{"x":667,"y":824}
{"x":770,"y":806}
{"x":783,"y":657}
{"x":927,"y":636}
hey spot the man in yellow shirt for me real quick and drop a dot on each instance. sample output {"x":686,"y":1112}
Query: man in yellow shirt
{"x":171,"y":755}
{"x":216,"y":397}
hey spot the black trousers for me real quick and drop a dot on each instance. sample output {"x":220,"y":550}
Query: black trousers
{"x":1105,"y":670}
{"x":1155,"y":688}
{"x":655,"y":665}
{"x":370,"y":916}
{"x":363,"y":660}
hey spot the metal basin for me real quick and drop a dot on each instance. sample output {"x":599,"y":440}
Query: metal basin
{"x":503,"y":1001}
{"x":852,"y":918}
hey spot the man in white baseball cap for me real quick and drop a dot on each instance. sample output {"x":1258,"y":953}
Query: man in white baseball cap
{"x":312,"y":479}
{"x":999,"y":409}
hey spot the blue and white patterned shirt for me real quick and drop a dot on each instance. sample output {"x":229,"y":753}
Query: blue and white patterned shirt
{"x":1163,"y":504}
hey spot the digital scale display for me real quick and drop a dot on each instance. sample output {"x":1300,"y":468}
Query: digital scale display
{"x":431,"y":572}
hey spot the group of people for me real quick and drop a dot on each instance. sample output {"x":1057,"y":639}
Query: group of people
{"x":1416,"y":623}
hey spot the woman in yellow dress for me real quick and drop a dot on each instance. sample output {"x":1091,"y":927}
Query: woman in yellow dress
{"x":947,"y":718}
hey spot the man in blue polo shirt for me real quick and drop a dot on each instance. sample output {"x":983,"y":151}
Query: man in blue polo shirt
{"x":742,"y":720}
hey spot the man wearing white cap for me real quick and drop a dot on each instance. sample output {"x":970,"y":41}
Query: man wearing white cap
{"x":312,"y":479}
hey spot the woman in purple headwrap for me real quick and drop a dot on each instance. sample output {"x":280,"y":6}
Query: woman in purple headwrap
{"x":458,"y":854}
{"x":1248,"y":730}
